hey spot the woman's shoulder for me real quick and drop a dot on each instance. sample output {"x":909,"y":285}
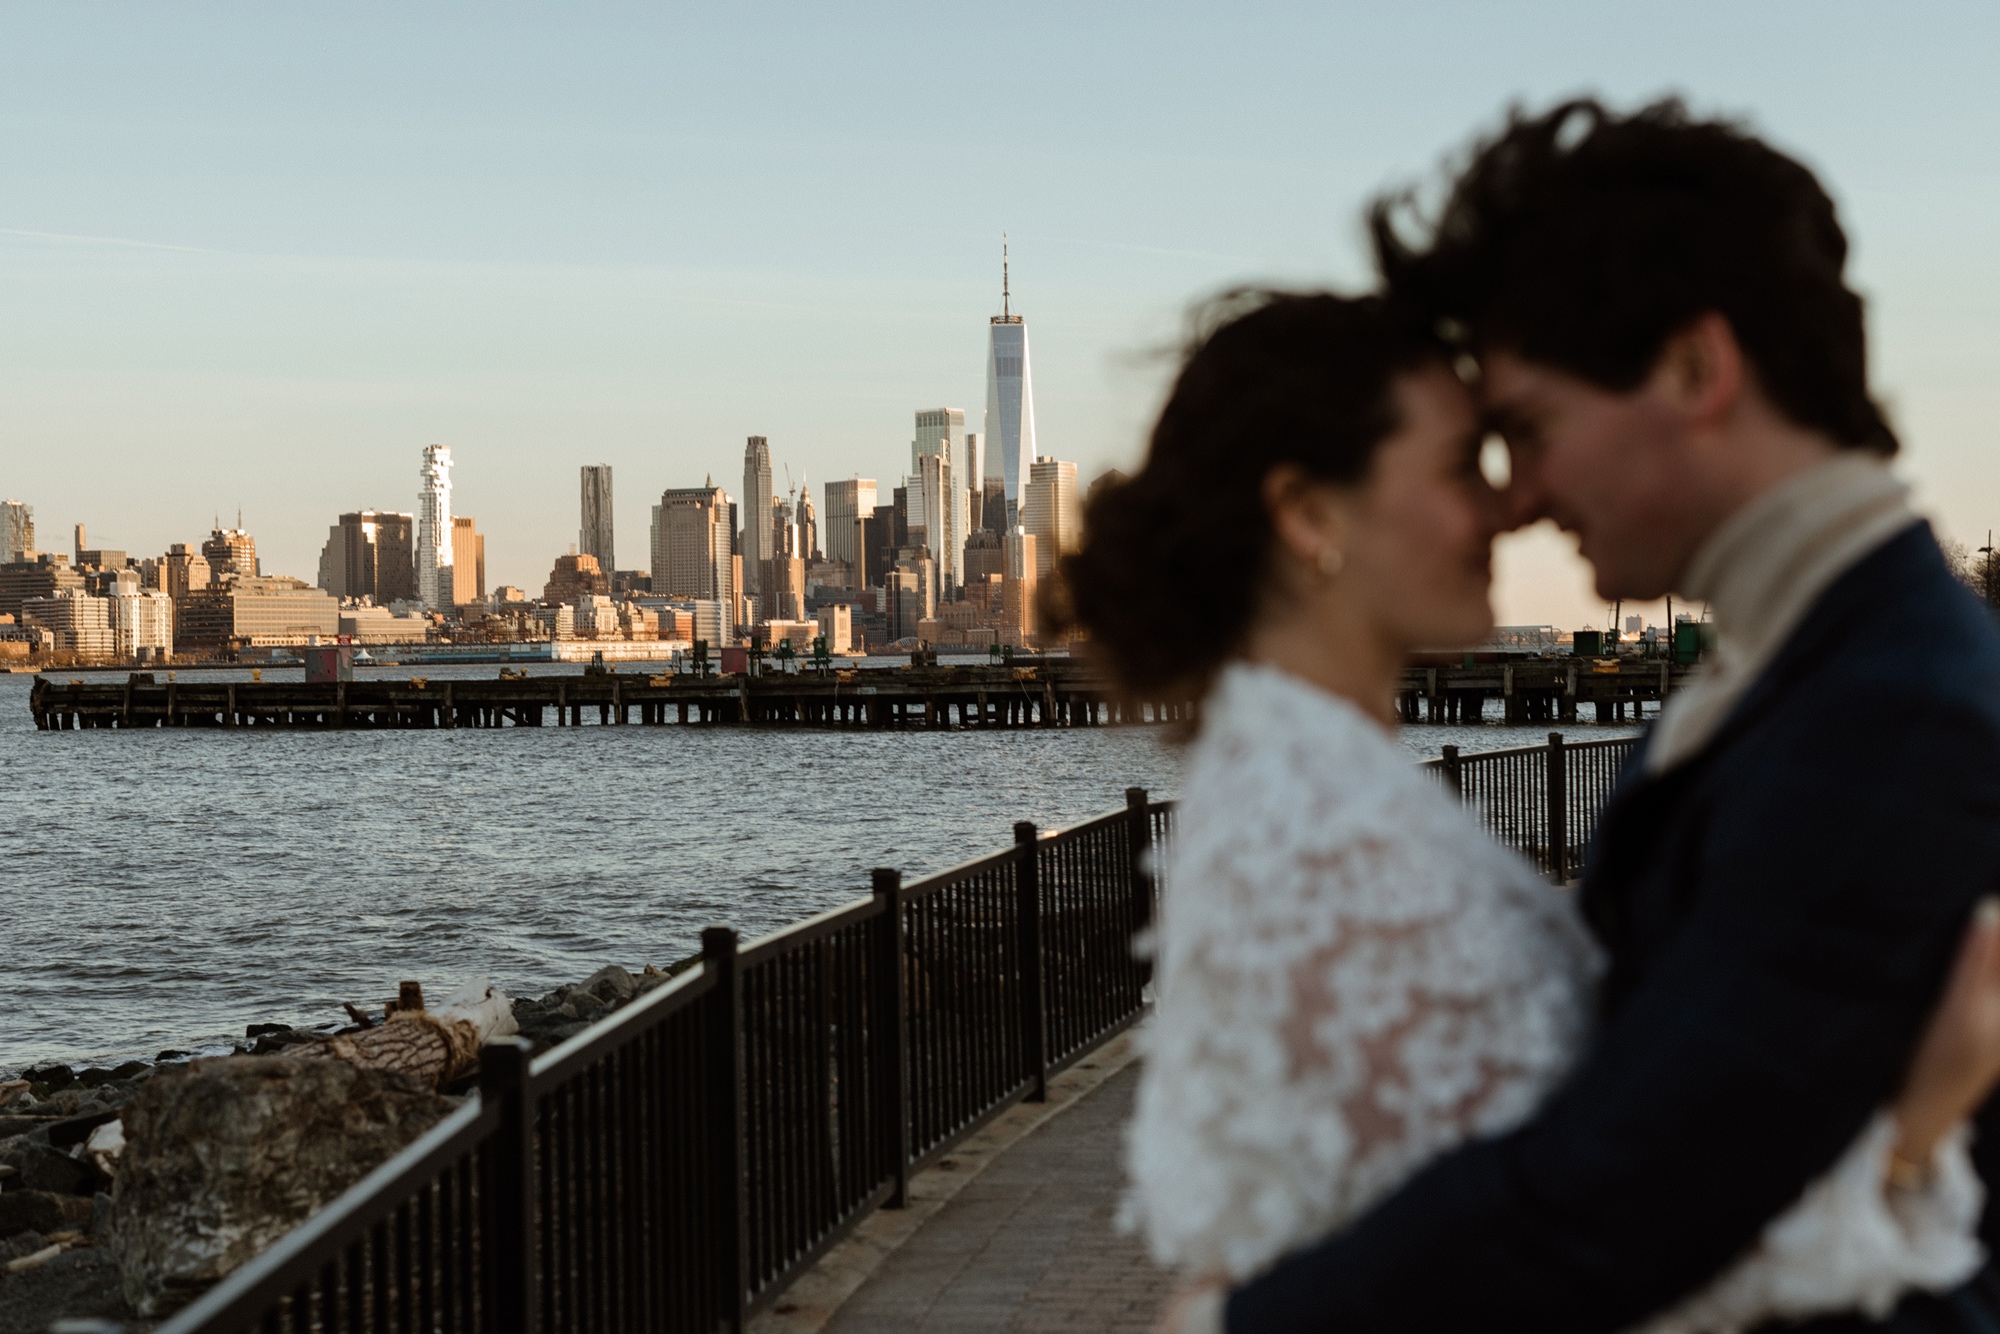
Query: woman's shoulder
{"x":1267,"y":728}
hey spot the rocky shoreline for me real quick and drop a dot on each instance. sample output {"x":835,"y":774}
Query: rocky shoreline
{"x":62,"y":1131}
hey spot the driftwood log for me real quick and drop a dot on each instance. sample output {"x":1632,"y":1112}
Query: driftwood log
{"x":435,"y":1046}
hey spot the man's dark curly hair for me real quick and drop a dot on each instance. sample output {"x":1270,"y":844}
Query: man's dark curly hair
{"x":1584,"y":239}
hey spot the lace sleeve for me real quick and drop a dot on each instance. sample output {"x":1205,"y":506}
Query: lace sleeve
{"x":1849,"y":1244}
{"x":1349,"y":984}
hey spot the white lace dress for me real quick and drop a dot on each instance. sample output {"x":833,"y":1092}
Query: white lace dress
{"x":1352,"y":979}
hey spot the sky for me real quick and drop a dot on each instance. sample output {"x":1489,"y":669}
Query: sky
{"x":258,"y":256}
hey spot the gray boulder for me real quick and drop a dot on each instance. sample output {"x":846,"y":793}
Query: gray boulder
{"x":223,"y":1159}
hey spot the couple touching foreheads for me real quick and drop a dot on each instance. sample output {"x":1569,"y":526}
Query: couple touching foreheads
{"x":1397,"y":1081}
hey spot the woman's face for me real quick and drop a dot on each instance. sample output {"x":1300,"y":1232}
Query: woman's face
{"x":1420,"y":530}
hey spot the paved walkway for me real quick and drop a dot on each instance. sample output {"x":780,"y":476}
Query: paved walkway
{"x":1027,"y":1245}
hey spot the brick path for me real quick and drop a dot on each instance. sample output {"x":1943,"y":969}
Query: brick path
{"x":1028,"y":1245}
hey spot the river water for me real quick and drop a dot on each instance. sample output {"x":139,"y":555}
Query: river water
{"x":164,"y":888}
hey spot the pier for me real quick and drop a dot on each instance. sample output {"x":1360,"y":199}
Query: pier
{"x":1054,"y":693}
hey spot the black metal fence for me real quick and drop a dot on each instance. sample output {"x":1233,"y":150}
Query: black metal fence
{"x":676,"y":1166}
{"x":1541,"y":801}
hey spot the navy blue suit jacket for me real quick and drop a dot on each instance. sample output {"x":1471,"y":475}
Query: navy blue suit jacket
{"x":1780,"y":914}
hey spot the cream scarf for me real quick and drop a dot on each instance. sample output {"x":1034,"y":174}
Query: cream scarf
{"x":1762,"y":570}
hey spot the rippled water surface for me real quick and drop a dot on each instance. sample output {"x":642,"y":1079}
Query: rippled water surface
{"x":166,"y":887}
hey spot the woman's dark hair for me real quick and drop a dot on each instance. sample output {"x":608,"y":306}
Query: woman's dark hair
{"x":1584,"y":239}
{"x":1173,"y":559}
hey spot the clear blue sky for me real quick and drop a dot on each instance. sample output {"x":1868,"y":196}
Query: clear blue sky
{"x":260,"y":255}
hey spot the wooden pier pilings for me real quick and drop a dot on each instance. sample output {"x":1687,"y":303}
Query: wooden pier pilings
{"x":1058,"y":694}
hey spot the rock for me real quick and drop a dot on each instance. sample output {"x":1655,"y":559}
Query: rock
{"x":173,"y":1054}
{"x":100,"y":1216}
{"x":94,"y":1076}
{"x":53,"y":1170}
{"x":20,"y":1244}
{"x":51,"y":1077}
{"x":259,"y":1030}
{"x":76,"y":1285}
{"x":41,"y":1211}
{"x":132,"y":1070}
{"x":227,"y":1157}
{"x":611,"y":984}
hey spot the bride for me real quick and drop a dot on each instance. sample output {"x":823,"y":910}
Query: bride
{"x":1352,"y":977}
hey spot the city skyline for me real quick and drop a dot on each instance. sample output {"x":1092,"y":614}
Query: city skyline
{"x":567,"y":230}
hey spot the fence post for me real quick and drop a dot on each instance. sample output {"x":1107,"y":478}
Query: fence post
{"x":891,"y":1034}
{"x":725,"y":1111}
{"x":1558,"y":810}
{"x":1451,"y":773}
{"x":507,"y":1194}
{"x":1034,"y":1011}
{"x":1140,"y":839}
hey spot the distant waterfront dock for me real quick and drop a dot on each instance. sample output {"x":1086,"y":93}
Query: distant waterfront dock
{"x":1057,"y":693}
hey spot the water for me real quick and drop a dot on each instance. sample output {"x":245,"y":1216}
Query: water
{"x":164,"y":888}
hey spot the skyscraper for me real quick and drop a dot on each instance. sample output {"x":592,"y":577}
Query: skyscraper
{"x":808,"y":525}
{"x":941,"y":433}
{"x":1010,"y":397}
{"x":17,"y":530}
{"x":468,"y":559}
{"x":368,"y":554}
{"x":231,"y":551}
{"x":756,"y":505}
{"x":691,"y":557}
{"x":1051,"y":515}
{"x":594,"y":538}
{"x":433,"y":556}
{"x":846,"y":502}
{"x":944,"y":518}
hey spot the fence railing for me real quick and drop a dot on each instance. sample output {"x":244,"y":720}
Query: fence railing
{"x":677,"y":1166}
{"x":1541,"y":801}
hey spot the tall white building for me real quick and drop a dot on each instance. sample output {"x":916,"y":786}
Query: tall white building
{"x":936,"y":489}
{"x":756,"y":504}
{"x":941,"y":432}
{"x":1009,"y":429}
{"x":433,"y":545}
{"x":17,"y":530}
{"x":847,"y":501}
{"x":1052,"y":515}
{"x":594,"y":536}
{"x":142,"y":621}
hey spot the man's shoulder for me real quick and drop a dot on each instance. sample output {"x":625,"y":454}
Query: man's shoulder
{"x":1895,"y":636}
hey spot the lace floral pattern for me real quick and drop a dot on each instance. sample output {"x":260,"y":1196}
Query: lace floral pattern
{"x":1352,"y":979}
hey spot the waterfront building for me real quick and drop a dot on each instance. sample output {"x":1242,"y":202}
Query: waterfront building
{"x":379,"y":625}
{"x":573,"y":576}
{"x":370,"y":554}
{"x":95,"y":558}
{"x":231,"y":551}
{"x":252,"y":610}
{"x":559,"y":621}
{"x":434,"y":529}
{"x":836,"y":626}
{"x":594,"y":537}
{"x":142,"y":622}
{"x":186,"y":571}
{"x":75,"y":621}
{"x":468,"y":562}
{"x":46,"y":575}
{"x":1052,"y":515}
{"x":846,"y":502}
{"x":1017,"y":589}
{"x":596,"y":617}
{"x":911,"y":591}
{"x":799,"y":634}
{"x":691,"y":551}
{"x":1009,"y":428}
{"x":17,"y":532}
{"x":757,"y":548}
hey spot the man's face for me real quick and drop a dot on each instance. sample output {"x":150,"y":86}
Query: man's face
{"x":1613,"y":468}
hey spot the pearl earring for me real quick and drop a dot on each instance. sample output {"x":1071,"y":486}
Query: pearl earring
{"x":1331,"y":561}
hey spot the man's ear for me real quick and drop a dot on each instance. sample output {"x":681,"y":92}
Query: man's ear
{"x":1701,"y":370}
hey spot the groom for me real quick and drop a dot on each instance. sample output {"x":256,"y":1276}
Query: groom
{"x":1671,"y":350}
